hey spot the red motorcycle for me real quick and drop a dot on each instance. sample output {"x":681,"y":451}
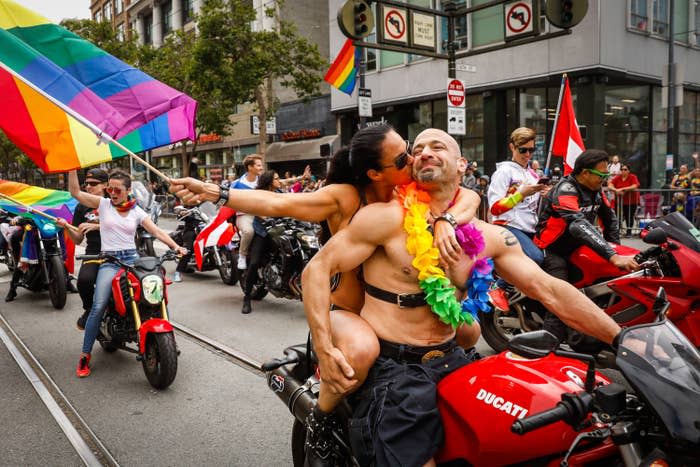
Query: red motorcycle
{"x":539,"y":405}
{"x":673,"y":263}
{"x":137,"y":314}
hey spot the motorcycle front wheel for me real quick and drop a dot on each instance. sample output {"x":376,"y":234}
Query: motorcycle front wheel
{"x":160,"y":359}
{"x":57,"y":282}
{"x":228,"y":270}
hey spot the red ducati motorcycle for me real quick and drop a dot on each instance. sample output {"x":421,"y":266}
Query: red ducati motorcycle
{"x":137,"y":314}
{"x":672,"y":263}
{"x":538,"y":405}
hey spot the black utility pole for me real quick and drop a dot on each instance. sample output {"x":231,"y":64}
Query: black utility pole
{"x":363,"y":66}
{"x":671,"y":111}
{"x":450,"y":8}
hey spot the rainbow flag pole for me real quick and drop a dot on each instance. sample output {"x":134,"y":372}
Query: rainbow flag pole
{"x":101,"y":136}
{"x":36,"y":211}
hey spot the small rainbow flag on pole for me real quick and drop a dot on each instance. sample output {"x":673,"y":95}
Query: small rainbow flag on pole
{"x":56,"y":203}
{"x":343,"y":71}
{"x":52,"y":83}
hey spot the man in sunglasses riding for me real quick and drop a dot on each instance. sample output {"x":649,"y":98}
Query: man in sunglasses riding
{"x":567,"y":221}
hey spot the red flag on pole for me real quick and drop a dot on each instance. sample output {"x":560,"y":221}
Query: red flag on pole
{"x":217,"y":233}
{"x":567,"y":138}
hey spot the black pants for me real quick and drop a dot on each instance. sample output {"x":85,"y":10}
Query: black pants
{"x":16,"y":244}
{"x":558,"y":267}
{"x":256,"y":253}
{"x":86,"y":282}
{"x":188,"y":237}
{"x":628,"y":212}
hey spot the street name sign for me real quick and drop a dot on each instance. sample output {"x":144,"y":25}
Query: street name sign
{"x":364,"y":102}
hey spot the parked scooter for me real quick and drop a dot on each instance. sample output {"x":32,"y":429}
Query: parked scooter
{"x":137,"y":314}
{"x":146,"y":200}
{"x":293,"y":244}
{"x":673,"y":263}
{"x":223,"y":257}
{"x":548,"y":406}
{"x":46,"y":270}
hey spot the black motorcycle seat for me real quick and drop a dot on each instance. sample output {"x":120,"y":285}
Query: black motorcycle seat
{"x":147,"y":263}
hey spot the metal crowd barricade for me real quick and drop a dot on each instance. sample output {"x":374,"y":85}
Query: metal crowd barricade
{"x":652,"y":204}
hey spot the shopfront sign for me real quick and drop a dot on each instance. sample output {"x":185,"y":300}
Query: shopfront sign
{"x":304,"y":133}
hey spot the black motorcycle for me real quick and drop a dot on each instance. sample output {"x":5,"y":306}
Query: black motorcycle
{"x":293,"y":244}
{"x":48,"y":272}
{"x":223,"y":258}
{"x":146,"y":200}
{"x":6,"y":230}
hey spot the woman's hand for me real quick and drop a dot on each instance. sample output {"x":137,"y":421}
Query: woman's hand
{"x":86,"y":227}
{"x":61,"y":222}
{"x":181,"y":250}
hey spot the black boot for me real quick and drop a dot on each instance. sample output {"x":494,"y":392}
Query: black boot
{"x":246,"y":305}
{"x":319,"y":439}
{"x":12,"y":293}
{"x":80,"y":324}
{"x":70,"y":286}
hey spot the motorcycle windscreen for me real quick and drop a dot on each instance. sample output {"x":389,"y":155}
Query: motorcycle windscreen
{"x":678,"y":227}
{"x":664,"y":368}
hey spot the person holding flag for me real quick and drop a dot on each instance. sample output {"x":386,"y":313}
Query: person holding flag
{"x":567,"y":221}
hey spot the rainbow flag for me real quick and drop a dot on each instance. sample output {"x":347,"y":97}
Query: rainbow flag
{"x":123,"y":102}
{"x":342,"y":73}
{"x":54,"y":202}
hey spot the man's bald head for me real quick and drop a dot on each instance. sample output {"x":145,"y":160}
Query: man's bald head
{"x":435,"y":134}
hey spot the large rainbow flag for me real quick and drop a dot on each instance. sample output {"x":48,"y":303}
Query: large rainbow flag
{"x":56,"y":203}
{"x":343,"y":70}
{"x":41,"y":62}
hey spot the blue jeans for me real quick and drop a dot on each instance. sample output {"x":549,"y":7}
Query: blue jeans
{"x":103,"y":291}
{"x":529,"y":248}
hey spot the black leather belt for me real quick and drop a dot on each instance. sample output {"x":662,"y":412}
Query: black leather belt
{"x":403,"y":300}
{"x":405,"y":353}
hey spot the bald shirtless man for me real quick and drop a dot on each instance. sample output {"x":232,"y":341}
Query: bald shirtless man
{"x":395,"y":420}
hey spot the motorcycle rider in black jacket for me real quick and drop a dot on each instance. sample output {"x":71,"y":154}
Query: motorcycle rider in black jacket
{"x":567,"y":221}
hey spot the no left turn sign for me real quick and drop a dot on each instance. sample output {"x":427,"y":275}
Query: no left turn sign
{"x":395,"y":25}
{"x":518,"y":17}
{"x":455,"y":93}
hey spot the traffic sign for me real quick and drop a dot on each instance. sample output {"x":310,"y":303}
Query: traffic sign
{"x":364,"y":102}
{"x":455,"y":121}
{"x":455,"y":93}
{"x":519,"y":18}
{"x":423,"y":30}
{"x":394,"y":24}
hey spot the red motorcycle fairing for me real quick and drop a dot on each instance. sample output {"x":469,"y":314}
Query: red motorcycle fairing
{"x":479,"y":402}
{"x":592,"y":267}
{"x":154,"y":325}
{"x":119,"y":293}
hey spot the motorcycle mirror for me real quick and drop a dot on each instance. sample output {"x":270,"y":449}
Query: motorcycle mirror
{"x":534,"y":344}
{"x":661,"y":304}
{"x":655,"y":236}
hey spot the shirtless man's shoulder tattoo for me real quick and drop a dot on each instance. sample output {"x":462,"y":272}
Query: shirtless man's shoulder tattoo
{"x":509,"y":238}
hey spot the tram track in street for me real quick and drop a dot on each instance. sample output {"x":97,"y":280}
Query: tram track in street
{"x":87,"y":445}
{"x":234,"y":356}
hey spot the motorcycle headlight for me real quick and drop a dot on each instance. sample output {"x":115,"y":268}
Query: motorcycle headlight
{"x":311,"y":240}
{"x":152,"y":289}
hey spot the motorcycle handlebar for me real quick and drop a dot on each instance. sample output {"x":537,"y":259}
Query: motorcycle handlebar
{"x":560,"y":412}
{"x":168,"y":255}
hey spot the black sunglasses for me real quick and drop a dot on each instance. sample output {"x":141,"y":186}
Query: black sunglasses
{"x":522,"y":150}
{"x":401,"y":160}
{"x":92,"y":183}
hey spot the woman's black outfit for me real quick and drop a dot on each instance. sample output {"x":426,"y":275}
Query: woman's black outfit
{"x":88,"y":269}
{"x":256,"y":253}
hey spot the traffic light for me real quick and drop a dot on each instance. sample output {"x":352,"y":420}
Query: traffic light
{"x":355,"y":19}
{"x":361,"y":14}
{"x":566,"y":14}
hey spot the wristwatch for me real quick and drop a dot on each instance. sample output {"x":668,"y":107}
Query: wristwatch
{"x":223,"y":194}
{"x":448,"y":218}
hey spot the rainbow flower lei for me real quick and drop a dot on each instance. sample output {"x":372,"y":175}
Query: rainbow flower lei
{"x":439,"y":292}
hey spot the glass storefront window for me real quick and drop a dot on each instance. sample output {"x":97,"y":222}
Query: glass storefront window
{"x":533,"y":109}
{"x":425,"y":120}
{"x":632,"y":147}
{"x":659,"y":117}
{"x":658,"y":160}
{"x":687,"y":113}
{"x":626,"y":108}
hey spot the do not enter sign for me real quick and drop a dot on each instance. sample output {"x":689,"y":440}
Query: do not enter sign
{"x":455,"y":93}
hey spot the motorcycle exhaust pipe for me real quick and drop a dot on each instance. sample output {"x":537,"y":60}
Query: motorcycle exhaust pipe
{"x":298,"y":396}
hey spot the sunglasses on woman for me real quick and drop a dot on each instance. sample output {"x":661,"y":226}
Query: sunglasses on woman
{"x":401,"y":160}
{"x":523,"y":150}
{"x":114,"y":190}
{"x":92,"y":183}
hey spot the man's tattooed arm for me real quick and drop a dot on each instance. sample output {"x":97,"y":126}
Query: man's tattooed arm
{"x":509,"y":238}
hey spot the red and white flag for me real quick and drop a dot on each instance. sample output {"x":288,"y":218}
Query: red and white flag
{"x":567,"y":138}
{"x":217,"y":233}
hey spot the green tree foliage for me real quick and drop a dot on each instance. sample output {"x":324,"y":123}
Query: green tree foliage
{"x":242,"y":64}
{"x":104,"y":36}
{"x":14,"y":164}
